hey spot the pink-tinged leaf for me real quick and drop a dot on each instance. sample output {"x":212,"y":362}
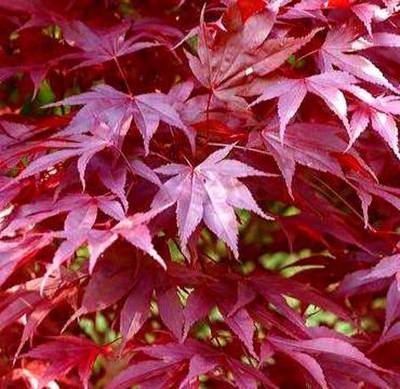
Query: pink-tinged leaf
{"x":327,"y":86}
{"x":221,"y":67}
{"x":189,"y":209}
{"x":359,"y":122}
{"x":48,"y":161}
{"x":291,"y":93}
{"x":198,"y":306}
{"x":111,"y":208}
{"x":136,"y":308}
{"x":141,"y":372}
{"x":116,"y":110}
{"x":77,"y":226}
{"x":309,"y":145}
{"x":65,"y":251}
{"x":243,"y":327}
{"x":385,"y":39}
{"x":245,"y":295}
{"x":43,"y":209}
{"x":113,"y":178}
{"x":144,"y":171}
{"x":79,"y":221}
{"x":15,"y":253}
{"x":356,"y":283}
{"x":139,"y":236}
{"x":219,"y":216}
{"x":98,"y":242}
{"x":387,"y":267}
{"x":83,"y":161}
{"x":386,"y":127}
{"x":17,"y":305}
{"x":276,"y":51}
{"x":150,"y":109}
{"x":33,"y":321}
{"x":82,"y":146}
{"x":366,"y":188}
{"x":247,"y":376}
{"x":334,"y":346}
{"x":101,"y":292}
{"x":221,"y":64}
{"x":171,"y":311}
{"x":366,"y":13}
{"x":197,"y":366}
{"x":392,"y":304}
{"x":239,"y":196}
{"x":288,"y":105}
{"x":99,"y":46}
{"x":64,"y":354}
{"x":217,"y":156}
{"x":233,"y":169}
{"x":391,"y":335}
{"x":179,"y":93}
{"x":338,"y":373}
{"x":337,"y":50}
{"x":37,"y":316}
{"x":312,"y":366}
{"x":209,"y":192}
{"x":366,"y":200}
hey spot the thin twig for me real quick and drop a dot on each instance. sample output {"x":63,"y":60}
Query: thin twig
{"x":123,"y":75}
{"x":240,"y":148}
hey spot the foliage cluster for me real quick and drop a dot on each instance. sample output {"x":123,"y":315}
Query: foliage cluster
{"x":199,"y":194}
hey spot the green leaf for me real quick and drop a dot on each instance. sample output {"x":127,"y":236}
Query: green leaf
{"x":45,"y":94}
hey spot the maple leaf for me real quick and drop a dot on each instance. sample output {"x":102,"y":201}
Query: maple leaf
{"x":171,"y":312}
{"x":199,"y":358}
{"x":135,"y":231}
{"x":79,"y":188}
{"x":338,"y":50}
{"x":77,"y":226}
{"x":379,"y":112}
{"x":82,"y":146}
{"x":235,"y":315}
{"x":151,"y":373}
{"x":78,"y":229}
{"x":45,"y":208}
{"x":117,"y":110}
{"x":39,"y":314}
{"x":208,"y":191}
{"x":98,"y":46}
{"x":331,"y":352}
{"x":16,"y":305}
{"x":385,"y":39}
{"x":367,"y":13}
{"x":321,"y":148}
{"x":136,"y":308}
{"x":387,"y":267}
{"x":14,"y":253}
{"x":244,"y":53}
{"x":64,"y":354}
{"x":310,"y":145}
{"x":291,"y":93}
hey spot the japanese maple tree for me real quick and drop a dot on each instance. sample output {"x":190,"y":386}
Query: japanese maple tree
{"x":199,"y":194}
